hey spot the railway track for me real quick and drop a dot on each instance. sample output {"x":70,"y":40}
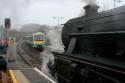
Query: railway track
{"x":27,"y":57}
{"x":29,"y":50}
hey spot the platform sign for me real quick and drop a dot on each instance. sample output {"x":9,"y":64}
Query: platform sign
{"x":11,"y":50}
{"x":12,"y":41}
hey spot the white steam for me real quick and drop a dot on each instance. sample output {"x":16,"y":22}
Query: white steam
{"x":54,"y":36}
{"x":89,"y":1}
{"x":86,"y":2}
{"x":46,"y":56}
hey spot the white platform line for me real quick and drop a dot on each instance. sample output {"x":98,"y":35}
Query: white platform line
{"x":44,"y":75}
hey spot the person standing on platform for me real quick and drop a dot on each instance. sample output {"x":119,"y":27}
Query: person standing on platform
{"x":5,"y":44}
{"x":3,"y":63}
{"x":1,"y":48}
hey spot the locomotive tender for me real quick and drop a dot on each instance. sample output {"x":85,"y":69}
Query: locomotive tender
{"x":94,"y":48}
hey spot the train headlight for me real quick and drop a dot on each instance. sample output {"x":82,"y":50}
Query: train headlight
{"x":34,"y":43}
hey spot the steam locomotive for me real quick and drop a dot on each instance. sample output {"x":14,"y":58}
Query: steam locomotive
{"x":94,"y":48}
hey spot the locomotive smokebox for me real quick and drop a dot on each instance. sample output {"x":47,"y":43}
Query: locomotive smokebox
{"x":91,"y":9}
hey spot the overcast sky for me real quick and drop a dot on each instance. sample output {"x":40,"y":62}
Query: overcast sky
{"x":42,"y":11}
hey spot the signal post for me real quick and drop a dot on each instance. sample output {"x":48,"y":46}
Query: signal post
{"x":10,"y":56}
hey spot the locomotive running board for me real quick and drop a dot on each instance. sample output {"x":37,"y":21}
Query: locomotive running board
{"x":103,"y":63}
{"x":97,"y":33}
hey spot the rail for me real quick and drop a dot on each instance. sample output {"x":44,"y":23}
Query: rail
{"x":28,"y":58}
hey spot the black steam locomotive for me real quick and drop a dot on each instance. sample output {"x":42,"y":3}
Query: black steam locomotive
{"x":94,"y":48}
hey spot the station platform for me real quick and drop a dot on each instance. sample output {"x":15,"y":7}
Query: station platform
{"x":21,"y":72}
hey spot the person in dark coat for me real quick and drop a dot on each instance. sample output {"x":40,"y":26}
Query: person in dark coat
{"x":1,"y":48}
{"x":3,"y":63}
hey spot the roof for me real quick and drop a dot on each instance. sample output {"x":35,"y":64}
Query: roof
{"x":39,"y":33}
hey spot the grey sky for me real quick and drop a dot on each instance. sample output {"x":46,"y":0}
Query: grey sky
{"x":42,"y":11}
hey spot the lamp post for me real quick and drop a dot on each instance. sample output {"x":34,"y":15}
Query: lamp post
{"x":104,"y":4}
{"x":58,"y":20}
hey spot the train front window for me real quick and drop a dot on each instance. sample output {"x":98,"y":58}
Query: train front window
{"x":39,"y":37}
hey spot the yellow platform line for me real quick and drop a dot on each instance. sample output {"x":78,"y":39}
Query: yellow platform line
{"x":13,"y":76}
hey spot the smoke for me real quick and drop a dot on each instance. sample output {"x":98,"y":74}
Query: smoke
{"x":55,"y":44}
{"x":89,"y":1}
{"x":47,"y":57}
{"x":54,"y":36}
{"x":12,"y":9}
{"x":86,"y":2}
{"x":82,"y":13}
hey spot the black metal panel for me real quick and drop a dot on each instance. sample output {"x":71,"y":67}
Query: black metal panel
{"x":108,"y":21}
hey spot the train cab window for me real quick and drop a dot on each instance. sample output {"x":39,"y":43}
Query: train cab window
{"x":39,"y":38}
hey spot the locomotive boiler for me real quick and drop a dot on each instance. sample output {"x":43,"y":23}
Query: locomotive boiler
{"x":99,"y":33}
{"x":94,"y":48}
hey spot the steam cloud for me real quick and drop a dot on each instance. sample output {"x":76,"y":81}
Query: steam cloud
{"x":89,"y":1}
{"x":54,"y":36}
{"x":86,"y":2}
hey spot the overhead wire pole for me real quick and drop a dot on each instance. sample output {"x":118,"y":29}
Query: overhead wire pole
{"x":115,"y":2}
{"x":104,"y":5}
{"x":58,"y":20}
